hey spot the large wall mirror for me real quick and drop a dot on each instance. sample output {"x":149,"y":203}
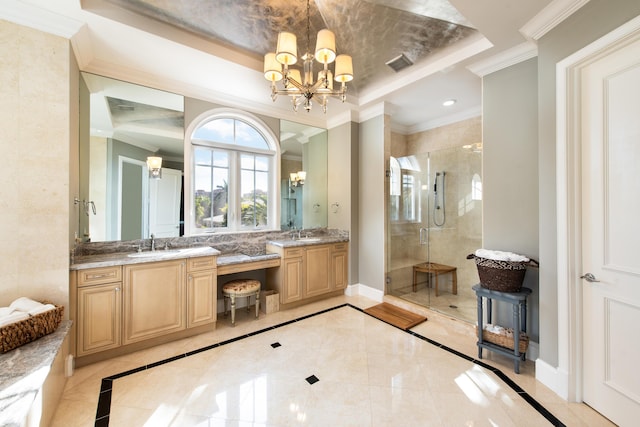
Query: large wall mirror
{"x":122,"y":197}
{"x":303,"y":187}
{"x":123,"y":124}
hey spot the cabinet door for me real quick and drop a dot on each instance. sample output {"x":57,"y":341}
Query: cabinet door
{"x":339,"y":270}
{"x":99,"y":319}
{"x":201,"y":298}
{"x":154,"y":299}
{"x":291,"y":280}
{"x":317,"y":271}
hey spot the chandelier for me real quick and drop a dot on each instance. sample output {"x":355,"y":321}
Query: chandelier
{"x":299,"y":84}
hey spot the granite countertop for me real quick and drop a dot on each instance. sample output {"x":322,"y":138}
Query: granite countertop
{"x":229,"y":259}
{"x":109,"y":260}
{"x":24,"y":370}
{"x":307,"y":241}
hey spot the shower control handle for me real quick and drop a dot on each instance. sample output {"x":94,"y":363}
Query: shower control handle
{"x":423,"y":236}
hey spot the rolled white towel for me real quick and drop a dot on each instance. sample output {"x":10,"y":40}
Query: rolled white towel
{"x":41,"y":309}
{"x":5,"y":311}
{"x":16,"y":316}
{"x":500,"y":255}
{"x":25,"y":304}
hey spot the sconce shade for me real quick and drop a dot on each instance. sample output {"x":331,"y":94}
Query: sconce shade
{"x":154,"y":164}
{"x":287,"y":48}
{"x":302,"y":175}
{"x":325,"y":47}
{"x":272,"y":68}
{"x":344,"y":68}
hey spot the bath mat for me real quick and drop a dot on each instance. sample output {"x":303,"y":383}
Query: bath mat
{"x":395,"y":316}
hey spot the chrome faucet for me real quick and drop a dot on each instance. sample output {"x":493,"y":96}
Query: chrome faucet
{"x":153,"y":242}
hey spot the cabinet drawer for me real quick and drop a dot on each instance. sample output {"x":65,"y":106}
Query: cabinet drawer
{"x":293,"y":252}
{"x":201,"y":263}
{"x":97,"y":276}
{"x":339,"y":247}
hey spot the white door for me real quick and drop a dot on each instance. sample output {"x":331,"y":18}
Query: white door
{"x":610,"y":128}
{"x":164,"y":204}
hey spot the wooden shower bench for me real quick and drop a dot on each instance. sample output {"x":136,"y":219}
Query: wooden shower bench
{"x":435,"y":269}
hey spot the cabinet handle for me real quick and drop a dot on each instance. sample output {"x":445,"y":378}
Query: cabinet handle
{"x":117,"y":289}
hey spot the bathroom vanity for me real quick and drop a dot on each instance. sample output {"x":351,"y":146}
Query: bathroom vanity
{"x":123,"y":302}
{"x":120,"y":301}
{"x":311,"y":269}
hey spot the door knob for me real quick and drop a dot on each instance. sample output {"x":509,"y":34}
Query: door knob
{"x":589,"y":277}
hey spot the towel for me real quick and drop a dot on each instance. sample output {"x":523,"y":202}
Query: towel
{"x":13,"y":318}
{"x":25,"y":304}
{"x":5,"y":311}
{"x":500,"y":255}
{"x":41,"y":309}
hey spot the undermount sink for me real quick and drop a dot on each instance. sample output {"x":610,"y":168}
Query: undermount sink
{"x":309,"y":239}
{"x":152,"y":254}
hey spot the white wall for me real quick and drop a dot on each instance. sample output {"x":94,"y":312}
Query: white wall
{"x":510,"y":172}
{"x":342,"y":187}
{"x":36,"y":110}
{"x":371,"y":216}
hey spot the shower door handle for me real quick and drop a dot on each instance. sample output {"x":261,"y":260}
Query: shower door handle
{"x":423,"y":236}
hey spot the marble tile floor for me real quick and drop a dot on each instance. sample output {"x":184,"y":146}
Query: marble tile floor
{"x":460,"y":306}
{"x":332,"y":367}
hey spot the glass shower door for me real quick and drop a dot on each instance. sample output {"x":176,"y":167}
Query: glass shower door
{"x":434,"y":222}
{"x":408,"y":227}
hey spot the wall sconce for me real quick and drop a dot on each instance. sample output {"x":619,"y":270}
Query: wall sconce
{"x":155,"y":167}
{"x":297,"y":178}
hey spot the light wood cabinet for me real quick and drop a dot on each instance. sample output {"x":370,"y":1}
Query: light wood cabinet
{"x":154,"y":299}
{"x":316,"y":270}
{"x":339,"y":266}
{"x":201,"y":291}
{"x":100,"y":318}
{"x":309,"y":272}
{"x":120,"y":307}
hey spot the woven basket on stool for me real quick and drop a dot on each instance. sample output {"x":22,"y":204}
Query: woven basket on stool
{"x":503,"y":276}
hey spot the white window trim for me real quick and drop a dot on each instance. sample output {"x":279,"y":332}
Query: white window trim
{"x":271,"y":138}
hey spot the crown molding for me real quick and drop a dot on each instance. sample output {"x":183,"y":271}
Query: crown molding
{"x":37,"y":18}
{"x":504,"y":59}
{"x":550,"y":17}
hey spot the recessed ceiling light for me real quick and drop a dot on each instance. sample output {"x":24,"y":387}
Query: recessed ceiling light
{"x":449,"y":102}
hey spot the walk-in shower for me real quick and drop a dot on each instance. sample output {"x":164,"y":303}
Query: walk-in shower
{"x":434,"y":222}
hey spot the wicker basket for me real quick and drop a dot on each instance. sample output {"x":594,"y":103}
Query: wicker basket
{"x":503,"y":276}
{"x":504,"y":340}
{"x":19,"y":333}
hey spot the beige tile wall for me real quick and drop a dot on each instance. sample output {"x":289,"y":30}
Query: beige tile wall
{"x":34,"y":145}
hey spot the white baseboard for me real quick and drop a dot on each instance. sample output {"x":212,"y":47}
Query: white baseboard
{"x":554,"y":378}
{"x":533,"y":351}
{"x":365,"y":291}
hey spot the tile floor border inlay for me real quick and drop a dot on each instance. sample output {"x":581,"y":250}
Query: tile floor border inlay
{"x":104,"y":401}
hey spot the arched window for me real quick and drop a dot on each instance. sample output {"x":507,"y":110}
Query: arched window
{"x":234,"y":164}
